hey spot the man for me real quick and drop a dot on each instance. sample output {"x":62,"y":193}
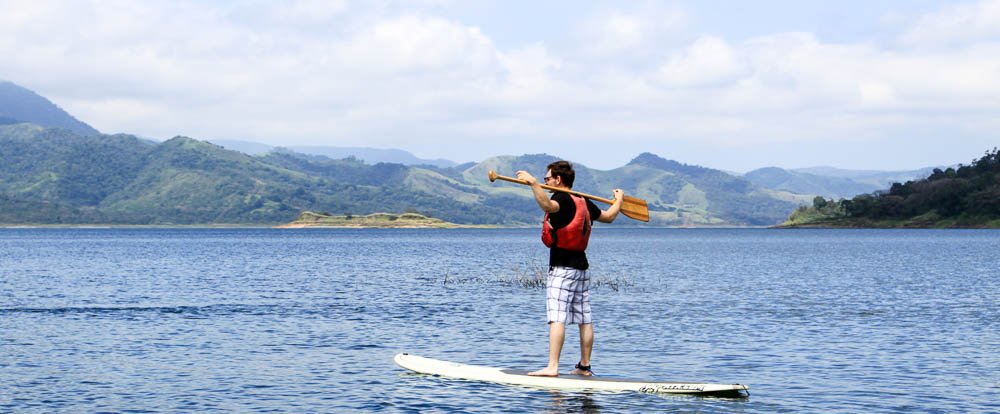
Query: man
{"x":566,"y":230}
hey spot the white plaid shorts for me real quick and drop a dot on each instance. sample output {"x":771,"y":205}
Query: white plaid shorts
{"x":568,"y":296}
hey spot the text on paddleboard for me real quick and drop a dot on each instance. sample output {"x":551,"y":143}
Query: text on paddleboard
{"x":653,"y":389}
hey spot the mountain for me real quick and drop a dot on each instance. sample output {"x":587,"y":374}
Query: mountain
{"x":368,"y":155}
{"x":246,"y":147}
{"x":373,"y":155}
{"x":876,"y":178}
{"x":687,"y":194}
{"x":56,"y":169}
{"x":967,"y":196}
{"x":54,"y":176}
{"x":809,"y":184}
{"x":18,"y":104}
{"x":830,"y":182}
{"x":677,"y":194}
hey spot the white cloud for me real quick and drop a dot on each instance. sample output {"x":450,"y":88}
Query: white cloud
{"x":398,"y":75}
{"x":417,"y":43}
{"x":309,"y":11}
{"x":638,"y":33}
{"x":618,"y":32}
{"x":875,"y":93}
{"x":529,"y":71}
{"x":709,"y":61}
{"x":960,"y":24}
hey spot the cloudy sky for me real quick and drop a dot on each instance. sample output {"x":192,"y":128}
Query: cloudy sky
{"x":870,"y":84}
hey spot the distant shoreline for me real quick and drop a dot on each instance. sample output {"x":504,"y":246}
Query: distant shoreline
{"x":939,"y":226}
{"x":309,"y":219}
{"x":222,"y":226}
{"x":457,"y":226}
{"x":321,"y":226}
{"x":135,"y":226}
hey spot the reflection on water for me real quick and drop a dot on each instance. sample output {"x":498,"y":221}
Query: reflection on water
{"x":573,"y":403}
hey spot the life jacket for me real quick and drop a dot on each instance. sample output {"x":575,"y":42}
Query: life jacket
{"x":575,"y":235}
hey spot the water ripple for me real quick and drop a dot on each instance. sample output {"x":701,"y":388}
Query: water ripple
{"x":257,"y":320}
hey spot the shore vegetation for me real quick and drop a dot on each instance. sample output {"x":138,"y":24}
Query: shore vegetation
{"x":963,"y":197}
{"x":376,"y":220}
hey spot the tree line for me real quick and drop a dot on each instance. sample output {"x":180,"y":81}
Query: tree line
{"x":969,"y":193}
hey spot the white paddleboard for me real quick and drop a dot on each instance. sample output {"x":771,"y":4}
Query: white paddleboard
{"x":563,"y":381}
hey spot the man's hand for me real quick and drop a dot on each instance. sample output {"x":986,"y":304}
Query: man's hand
{"x":527,"y":177}
{"x":619,"y":194}
{"x":609,"y":215}
{"x":547,"y":205}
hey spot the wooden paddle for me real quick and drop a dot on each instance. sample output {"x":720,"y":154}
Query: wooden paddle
{"x":634,"y":208}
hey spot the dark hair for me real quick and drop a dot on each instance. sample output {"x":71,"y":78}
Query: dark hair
{"x":565,"y":170}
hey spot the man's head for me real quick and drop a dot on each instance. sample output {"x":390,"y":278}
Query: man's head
{"x":563,"y":170}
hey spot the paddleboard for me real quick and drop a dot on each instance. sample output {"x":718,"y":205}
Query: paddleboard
{"x":563,"y":381}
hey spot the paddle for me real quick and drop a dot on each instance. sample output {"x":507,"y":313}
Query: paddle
{"x":634,"y":208}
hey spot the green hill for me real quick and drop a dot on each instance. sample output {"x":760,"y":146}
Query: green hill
{"x":54,"y":176}
{"x":968,"y":196}
{"x":678,"y":194}
{"x":805,"y":183}
{"x":688,"y":194}
{"x":185,"y":181}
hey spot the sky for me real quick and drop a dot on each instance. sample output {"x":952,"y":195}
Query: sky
{"x":871,"y":84}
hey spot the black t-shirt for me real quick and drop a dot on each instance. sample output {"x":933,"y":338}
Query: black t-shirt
{"x":561,"y":218}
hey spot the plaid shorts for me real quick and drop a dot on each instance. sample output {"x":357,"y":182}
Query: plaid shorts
{"x":568,"y":296}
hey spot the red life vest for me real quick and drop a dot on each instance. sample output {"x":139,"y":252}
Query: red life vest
{"x":575,"y":235}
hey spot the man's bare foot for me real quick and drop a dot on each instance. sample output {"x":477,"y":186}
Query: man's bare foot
{"x":545,"y":372}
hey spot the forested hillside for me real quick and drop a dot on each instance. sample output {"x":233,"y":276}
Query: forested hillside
{"x":967,"y":196}
{"x":52,"y":176}
{"x":55,"y":176}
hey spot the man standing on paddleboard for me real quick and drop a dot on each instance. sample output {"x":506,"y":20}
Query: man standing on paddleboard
{"x":566,"y":231}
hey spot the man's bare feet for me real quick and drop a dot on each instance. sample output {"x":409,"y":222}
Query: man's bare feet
{"x":545,"y":372}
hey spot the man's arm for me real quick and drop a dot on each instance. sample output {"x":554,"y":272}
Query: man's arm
{"x":609,"y":215}
{"x":548,"y":205}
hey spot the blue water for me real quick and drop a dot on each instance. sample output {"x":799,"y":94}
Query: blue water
{"x":167,"y":320}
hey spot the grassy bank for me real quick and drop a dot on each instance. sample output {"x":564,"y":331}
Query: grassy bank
{"x":376,"y":220}
{"x":815,"y":218}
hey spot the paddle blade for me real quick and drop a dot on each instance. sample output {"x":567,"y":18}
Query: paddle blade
{"x":635,"y":208}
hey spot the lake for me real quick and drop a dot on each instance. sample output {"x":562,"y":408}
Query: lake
{"x":254,"y":320}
